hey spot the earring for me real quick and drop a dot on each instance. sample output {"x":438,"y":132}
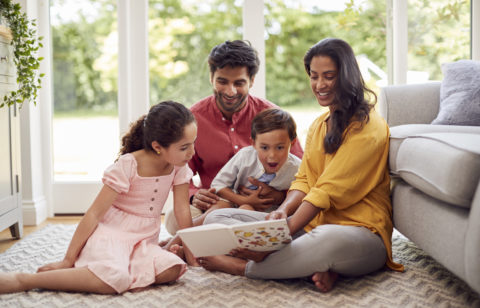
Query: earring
{"x":158,"y":152}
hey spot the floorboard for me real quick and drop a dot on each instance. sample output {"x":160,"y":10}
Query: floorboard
{"x":6,"y":240}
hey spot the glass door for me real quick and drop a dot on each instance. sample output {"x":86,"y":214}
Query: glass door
{"x":85,"y":114}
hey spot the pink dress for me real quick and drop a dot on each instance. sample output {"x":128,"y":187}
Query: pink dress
{"x":123,"y":251}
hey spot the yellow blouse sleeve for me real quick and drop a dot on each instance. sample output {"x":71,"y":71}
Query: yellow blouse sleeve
{"x":354,"y":170}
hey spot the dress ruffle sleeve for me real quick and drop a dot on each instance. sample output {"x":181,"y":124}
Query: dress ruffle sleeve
{"x":118,"y":176}
{"x":182,"y":175}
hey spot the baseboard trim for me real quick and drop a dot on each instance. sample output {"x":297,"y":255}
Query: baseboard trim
{"x":34,"y":211}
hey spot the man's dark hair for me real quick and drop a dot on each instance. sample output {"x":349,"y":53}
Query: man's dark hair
{"x":234,"y":54}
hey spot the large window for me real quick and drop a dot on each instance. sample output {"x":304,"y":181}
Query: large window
{"x":87,"y":79}
{"x":85,"y":125}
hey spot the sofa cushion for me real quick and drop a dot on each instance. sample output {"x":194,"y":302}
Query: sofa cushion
{"x":444,"y":165}
{"x":399,"y":133}
{"x":460,"y":94}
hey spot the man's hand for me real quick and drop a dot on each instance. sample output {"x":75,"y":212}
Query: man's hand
{"x":265,"y":191}
{"x":204,"y":199}
{"x":254,"y":199}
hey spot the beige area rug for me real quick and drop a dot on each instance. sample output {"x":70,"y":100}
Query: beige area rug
{"x":425,"y":283}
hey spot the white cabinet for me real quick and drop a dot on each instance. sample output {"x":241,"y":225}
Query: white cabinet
{"x":10,"y":173}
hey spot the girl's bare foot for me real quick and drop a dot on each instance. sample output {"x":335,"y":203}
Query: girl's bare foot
{"x":164,"y":242}
{"x":226,"y":264}
{"x":178,"y":250}
{"x":10,"y":283}
{"x":324,"y":281}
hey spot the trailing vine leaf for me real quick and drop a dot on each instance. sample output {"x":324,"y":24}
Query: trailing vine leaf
{"x":25,"y":45}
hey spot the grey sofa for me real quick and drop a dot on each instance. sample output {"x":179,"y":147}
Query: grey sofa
{"x":435,"y":179}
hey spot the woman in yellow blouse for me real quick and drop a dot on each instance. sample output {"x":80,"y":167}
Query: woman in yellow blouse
{"x":338,"y":208}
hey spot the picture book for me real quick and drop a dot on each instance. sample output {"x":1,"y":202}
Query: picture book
{"x":218,"y":239}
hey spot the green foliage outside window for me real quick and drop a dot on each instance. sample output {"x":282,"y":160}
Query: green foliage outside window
{"x":182,"y":33}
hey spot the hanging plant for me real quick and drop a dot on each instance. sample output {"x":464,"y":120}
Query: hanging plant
{"x":25,"y":48}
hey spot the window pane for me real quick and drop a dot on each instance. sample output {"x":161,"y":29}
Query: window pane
{"x":181,"y":35}
{"x":294,"y":26}
{"x":85,"y":123}
{"x":438,"y":32}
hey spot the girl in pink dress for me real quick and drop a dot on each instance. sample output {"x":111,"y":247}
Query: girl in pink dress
{"x":115,"y":246}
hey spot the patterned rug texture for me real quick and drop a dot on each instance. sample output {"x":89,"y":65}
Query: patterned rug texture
{"x":425,"y":283}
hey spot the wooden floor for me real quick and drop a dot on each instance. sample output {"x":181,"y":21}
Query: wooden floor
{"x":6,"y":239}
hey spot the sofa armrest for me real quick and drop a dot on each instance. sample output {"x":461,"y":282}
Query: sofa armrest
{"x":472,"y":244}
{"x":410,"y":104}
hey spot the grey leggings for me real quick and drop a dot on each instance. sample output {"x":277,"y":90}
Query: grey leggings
{"x":346,"y":250}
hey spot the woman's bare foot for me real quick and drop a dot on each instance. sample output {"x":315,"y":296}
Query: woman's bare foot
{"x":178,"y":250}
{"x":324,"y":281}
{"x":10,"y":283}
{"x":256,"y":256}
{"x":226,"y":264}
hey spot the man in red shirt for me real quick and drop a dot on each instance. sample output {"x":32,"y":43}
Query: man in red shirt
{"x":223,"y":121}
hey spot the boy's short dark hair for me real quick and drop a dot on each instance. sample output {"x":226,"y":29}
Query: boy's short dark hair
{"x":234,"y":54}
{"x":272,"y":119}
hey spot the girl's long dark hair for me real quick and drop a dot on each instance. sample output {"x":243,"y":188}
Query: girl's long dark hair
{"x":350,"y":89}
{"x":164,"y":123}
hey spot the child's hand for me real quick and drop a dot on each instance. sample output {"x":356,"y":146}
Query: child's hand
{"x":204,"y":199}
{"x":55,"y":266}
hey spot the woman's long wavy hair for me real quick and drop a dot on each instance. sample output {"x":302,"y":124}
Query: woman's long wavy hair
{"x":351,"y":94}
{"x":164,"y":123}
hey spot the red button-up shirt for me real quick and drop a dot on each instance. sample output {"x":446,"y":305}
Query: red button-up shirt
{"x":218,"y":139}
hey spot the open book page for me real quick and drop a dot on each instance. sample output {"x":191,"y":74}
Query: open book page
{"x":263,"y":235}
{"x":218,"y":239}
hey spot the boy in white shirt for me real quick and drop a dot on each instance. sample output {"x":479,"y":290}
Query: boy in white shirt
{"x":268,"y":160}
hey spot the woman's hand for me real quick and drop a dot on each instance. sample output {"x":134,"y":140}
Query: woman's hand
{"x":55,"y":266}
{"x":277,"y":214}
{"x":255,"y":256}
{"x":204,"y":199}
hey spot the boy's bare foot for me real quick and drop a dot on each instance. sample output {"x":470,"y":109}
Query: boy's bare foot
{"x":256,"y":256}
{"x":226,"y":264}
{"x":324,"y":281}
{"x":178,"y":250}
{"x":10,"y":283}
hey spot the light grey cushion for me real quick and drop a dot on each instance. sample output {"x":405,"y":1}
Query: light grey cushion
{"x":445,"y":166}
{"x":399,"y":133}
{"x":460,"y":94}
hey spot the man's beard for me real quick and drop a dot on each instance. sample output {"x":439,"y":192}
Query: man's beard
{"x":230,"y":107}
